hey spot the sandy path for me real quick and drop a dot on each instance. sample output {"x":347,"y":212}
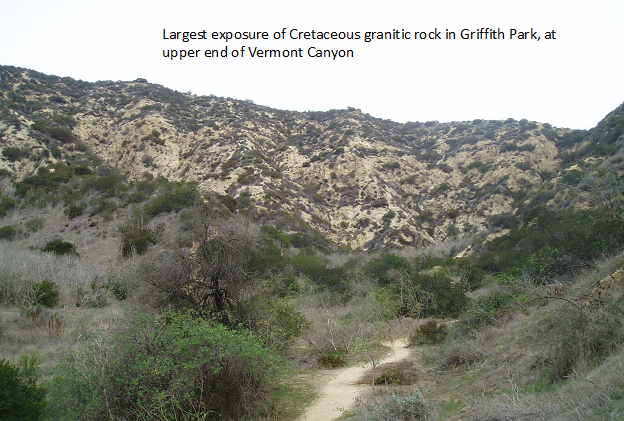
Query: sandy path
{"x":339,"y":389}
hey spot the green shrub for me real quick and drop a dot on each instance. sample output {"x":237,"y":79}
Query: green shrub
{"x":34,"y":225}
{"x":332,"y":359}
{"x":136,"y":239}
{"x":505,"y":221}
{"x":559,"y":242}
{"x":573,"y":177}
{"x":391,"y":166}
{"x":315,"y":268}
{"x":47,"y":293}
{"x":173,"y":200}
{"x":577,"y":337}
{"x":452,"y":213}
{"x":449,"y":297}
{"x":403,"y":298}
{"x":62,"y":134}
{"x":104,"y":208}
{"x":60,"y":247}
{"x":422,"y":295}
{"x":276,"y":235}
{"x":46,"y":179}
{"x":81,"y":170}
{"x":384,"y":268}
{"x":276,"y":322}
{"x":471,"y":276}
{"x":394,"y":377}
{"x":301,"y":240}
{"x":430,"y":333}
{"x":172,"y":367}
{"x":490,"y":309}
{"x":8,"y":232}
{"x":20,"y":398}
{"x":269,"y":258}
{"x":74,"y":211}
{"x":6,"y":204}
{"x":285,"y":286}
{"x":229,"y":202}
{"x":119,"y":288}
{"x":107,"y":183}
{"x":13,"y":154}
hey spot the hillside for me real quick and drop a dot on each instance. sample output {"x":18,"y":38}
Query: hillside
{"x":166,"y":256}
{"x":360,"y":181}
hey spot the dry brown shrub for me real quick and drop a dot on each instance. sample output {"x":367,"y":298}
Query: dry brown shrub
{"x":332,"y":360}
{"x":462,"y":355}
{"x":42,"y":317}
{"x":396,"y":373}
{"x":55,"y":325}
{"x":593,"y":395}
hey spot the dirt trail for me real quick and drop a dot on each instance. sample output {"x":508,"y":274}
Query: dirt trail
{"x":339,"y":389}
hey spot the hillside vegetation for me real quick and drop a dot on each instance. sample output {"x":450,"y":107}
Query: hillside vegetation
{"x":360,"y":181}
{"x":166,"y":256}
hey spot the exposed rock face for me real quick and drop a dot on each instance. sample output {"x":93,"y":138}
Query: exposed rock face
{"x":605,"y":289}
{"x":362,"y":181}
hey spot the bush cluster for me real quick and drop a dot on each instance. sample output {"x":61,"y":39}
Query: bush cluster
{"x":170,"y":367}
{"x":332,"y":359}
{"x":416,"y":293}
{"x":14,"y":154}
{"x":315,"y":267}
{"x":430,"y":333}
{"x":6,"y":204}
{"x":47,"y":294}
{"x":579,"y":338}
{"x":21,"y":399}
{"x":60,"y":247}
{"x":8,"y":232}
{"x":400,"y":374}
{"x":137,"y":238}
{"x":173,"y":199}
{"x":412,"y":407}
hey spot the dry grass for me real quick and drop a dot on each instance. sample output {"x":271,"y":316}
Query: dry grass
{"x":462,"y":355}
{"x":57,"y":333}
{"x":506,"y":372}
{"x":67,"y":272}
{"x":23,"y":267}
{"x":507,"y":410}
{"x":95,"y":239}
{"x":51,"y":334}
{"x":597,"y":394}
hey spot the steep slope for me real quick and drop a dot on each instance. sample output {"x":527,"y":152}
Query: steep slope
{"x":361,"y":181}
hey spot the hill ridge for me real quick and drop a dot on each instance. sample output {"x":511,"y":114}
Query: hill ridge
{"x":364,"y":182}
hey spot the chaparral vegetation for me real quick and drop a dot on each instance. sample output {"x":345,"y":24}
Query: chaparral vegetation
{"x":165,"y":256}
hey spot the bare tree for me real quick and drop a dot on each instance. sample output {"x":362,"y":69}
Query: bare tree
{"x":211,"y":275}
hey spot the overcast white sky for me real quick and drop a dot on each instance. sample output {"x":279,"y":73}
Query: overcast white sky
{"x":572,"y":81}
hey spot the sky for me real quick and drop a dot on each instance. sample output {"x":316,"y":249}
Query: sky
{"x":572,"y":81}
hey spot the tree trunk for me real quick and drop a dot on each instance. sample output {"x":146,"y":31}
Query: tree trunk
{"x":220,"y":301}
